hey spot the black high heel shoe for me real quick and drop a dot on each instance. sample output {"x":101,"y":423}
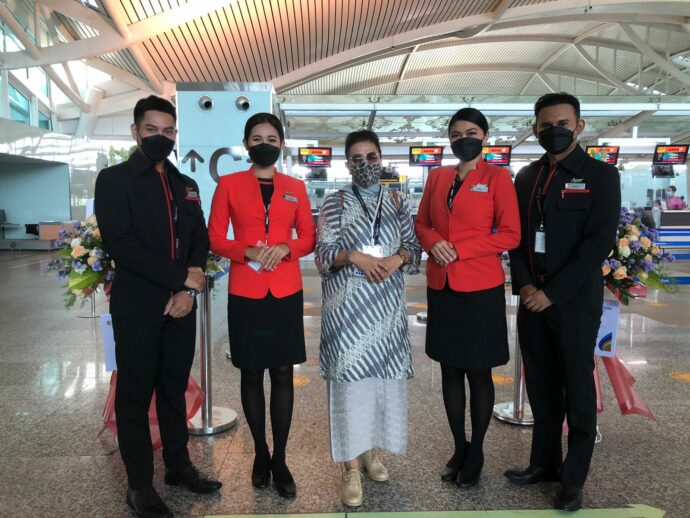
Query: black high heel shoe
{"x":261,"y":472}
{"x":452,"y":468}
{"x":282,"y":479}
{"x":468,"y":476}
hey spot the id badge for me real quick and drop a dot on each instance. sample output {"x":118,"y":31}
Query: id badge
{"x":373,"y":250}
{"x":540,"y":242}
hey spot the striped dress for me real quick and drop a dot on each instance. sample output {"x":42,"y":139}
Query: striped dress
{"x":365,"y":343}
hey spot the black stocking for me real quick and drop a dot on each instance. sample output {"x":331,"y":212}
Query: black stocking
{"x":453,"y":384}
{"x":254,"y":406}
{"x":481,"y":409}
{"x":282,"y":396}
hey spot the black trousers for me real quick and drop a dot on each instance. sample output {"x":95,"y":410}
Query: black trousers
{"x":558,"y":352}
{"x":152,"y":355}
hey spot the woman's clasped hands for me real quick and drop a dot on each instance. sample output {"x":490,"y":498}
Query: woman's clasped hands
{"x":269,"y":256}
{"x":377,"y":269}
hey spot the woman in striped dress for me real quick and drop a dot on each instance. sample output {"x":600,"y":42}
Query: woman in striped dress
{"x":365,"y":241}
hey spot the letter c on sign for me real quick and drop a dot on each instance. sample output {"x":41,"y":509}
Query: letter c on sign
{"x":213,"y":164}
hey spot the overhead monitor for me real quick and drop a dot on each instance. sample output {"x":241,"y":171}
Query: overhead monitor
{"x":314,"y":156}
{"x":670,"y":155}
{"x":608,"y":154}
{"x":497,"y":155}
{"x":426,"y":156}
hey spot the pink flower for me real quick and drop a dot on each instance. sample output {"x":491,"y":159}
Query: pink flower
{"x":645,"y":242}
{"x":620,"y":274}
{"x":78,"y":251}
{"x":605,"y":269}
{"x":623,"y":242}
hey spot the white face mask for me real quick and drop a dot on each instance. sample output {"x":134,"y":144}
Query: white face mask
{"x":669,"y":194}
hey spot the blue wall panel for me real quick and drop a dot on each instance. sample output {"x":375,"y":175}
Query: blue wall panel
{"x":218,"y":131}
{"x":33,"y":192}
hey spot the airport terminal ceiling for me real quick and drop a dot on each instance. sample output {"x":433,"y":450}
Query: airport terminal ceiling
{"x":629,"y":60}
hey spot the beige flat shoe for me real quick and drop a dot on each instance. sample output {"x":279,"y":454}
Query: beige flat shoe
{"x":352,"y":493}
{"x":373,"y":466}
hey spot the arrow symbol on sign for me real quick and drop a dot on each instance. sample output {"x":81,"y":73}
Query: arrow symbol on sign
{"x":193,"y":156}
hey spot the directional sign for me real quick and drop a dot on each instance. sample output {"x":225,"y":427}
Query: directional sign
{"x":193,"y":156}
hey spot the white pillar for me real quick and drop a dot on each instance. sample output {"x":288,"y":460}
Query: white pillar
{"x":33,"y":110}
{"x":4,"y":94}
{"x":87,"y":121}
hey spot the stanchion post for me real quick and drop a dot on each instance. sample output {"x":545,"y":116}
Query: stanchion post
{"x":92,"y":299}
{"x":208,"y":420}
{"x":517,"y":411}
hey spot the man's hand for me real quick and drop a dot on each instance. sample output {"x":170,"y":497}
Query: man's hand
{"x":195,"y":279}
{"x":372,"y":267}
{"x":179,"y":305}
{"x":537,"y":301}
{"x":527,"y":290}
{"x":273,"y":255}
{"x":443,"y":252}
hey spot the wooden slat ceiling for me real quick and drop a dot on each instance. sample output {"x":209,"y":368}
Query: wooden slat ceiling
{"x":257,"y":40}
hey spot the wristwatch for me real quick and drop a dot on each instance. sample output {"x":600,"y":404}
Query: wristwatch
{"x":192,"y":292}
{"x":405,"y":256}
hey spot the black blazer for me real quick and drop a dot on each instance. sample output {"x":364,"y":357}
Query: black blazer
{"x":580,"y":228}
{"x":136,"y":227}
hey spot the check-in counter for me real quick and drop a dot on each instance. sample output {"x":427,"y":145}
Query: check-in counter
{"x":675,"y":218}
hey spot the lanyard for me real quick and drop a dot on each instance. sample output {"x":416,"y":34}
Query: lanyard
{"x":267,"y":208}
{"x":454,"y":189}
{"x":541,"y":193}
{"x":376,"y":222}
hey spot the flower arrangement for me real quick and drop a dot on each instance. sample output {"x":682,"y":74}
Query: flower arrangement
{"x":636,"y":259}
{"x":82,"y":262}
{"x":216,"y":267}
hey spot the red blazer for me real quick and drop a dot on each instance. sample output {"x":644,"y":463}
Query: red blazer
{"x":238,"y":199}
{"x":469,"y":226}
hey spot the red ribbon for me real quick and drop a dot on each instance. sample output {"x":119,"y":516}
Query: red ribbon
{"x":622,"y":382}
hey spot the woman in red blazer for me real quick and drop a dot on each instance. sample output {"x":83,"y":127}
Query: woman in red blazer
{"x":467,"y":217}
{"x":265,"y":305}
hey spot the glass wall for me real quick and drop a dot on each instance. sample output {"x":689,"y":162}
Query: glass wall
{"x":20,"y":106}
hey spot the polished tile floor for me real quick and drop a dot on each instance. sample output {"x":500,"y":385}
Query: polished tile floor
{"x":53,"y":462}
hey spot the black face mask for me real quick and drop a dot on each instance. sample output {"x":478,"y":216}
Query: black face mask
{"x":467,"y":149}
{"x":264,"y":154}
{"x":556,"y":139}
{"x":157,"y":147}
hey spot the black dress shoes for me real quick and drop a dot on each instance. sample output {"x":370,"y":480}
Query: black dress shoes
{"x":532,"y":475}
{"x":146,"y":503}
{"x":569,"y":499}
{"x":471,"y":470}
{"x":282,"y":479}
{"x":190,"y":478}
{"x":452,"y":468}
{"x":261,"y":472}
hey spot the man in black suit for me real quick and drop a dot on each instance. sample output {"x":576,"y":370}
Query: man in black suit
{"x":152,"y":225}
{"x":569,"y":208}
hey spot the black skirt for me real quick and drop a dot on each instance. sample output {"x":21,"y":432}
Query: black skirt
{"x":467,"y":330}
{"x":266,"y":333}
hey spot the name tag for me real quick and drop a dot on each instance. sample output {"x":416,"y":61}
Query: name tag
{"x":540,"y":242}
{"x":479,"y":187}
{"x":374,"y":250}
{"x":576,"y":186}
{"x":290,"y":197}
